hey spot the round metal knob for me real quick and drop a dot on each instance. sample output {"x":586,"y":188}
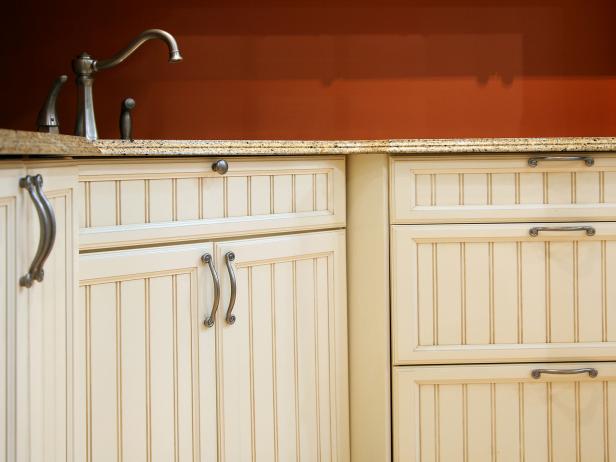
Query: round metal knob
{"x":220,"y":166}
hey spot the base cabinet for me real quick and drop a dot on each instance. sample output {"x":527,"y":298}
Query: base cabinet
{"x":35,"y":324}
{"x":153,"y":382}
{"x":500,"y":412}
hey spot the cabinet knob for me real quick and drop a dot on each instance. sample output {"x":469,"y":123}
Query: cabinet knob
{"x":220,"y":166}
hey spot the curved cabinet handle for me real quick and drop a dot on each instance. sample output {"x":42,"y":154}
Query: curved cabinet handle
{"x":591,"y":371}
{"x":229,"y":257}
{"x":534,"y":161}
{"x":44,"y":210}
{"x":51,"y":216}
{"x":534,"y":232}
{"x":209,"y":321}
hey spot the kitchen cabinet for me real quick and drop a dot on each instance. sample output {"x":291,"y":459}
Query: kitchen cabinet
{"x":495,"y":292}
{"x":501,"y":412}
{"x":469,"y":188}
{"x":145,"y":365}
{"x":153,"y":380}
{"x":152,"y":201}
{"x":37,"y":315}
{"x":282,"y":377}
{"x":505,"y":260}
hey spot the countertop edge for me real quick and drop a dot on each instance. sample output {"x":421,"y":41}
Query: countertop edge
{"x":14,"y":142}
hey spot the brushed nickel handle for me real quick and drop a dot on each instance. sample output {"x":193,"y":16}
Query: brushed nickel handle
{"x":207,"y":258}
{"x":591,"y":371}
{"x":229,"y":257}
{"x":590,"y":231}
{"x":534,"y":161}
{"x":47,"y":223}
{"x":220,"y":166}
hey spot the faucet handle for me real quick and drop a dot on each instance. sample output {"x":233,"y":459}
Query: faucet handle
{"x":47,"y":120}
{"x":126,"y":119}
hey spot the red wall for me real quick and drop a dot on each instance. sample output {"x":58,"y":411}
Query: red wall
{"x":324,"y":69}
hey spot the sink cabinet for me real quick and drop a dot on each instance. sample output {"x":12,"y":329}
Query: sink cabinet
{"x":153,"y":380}
{"x":110,"y":357}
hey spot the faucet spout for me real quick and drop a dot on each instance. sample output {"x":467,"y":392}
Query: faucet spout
{"x":85,"y":67}
{"x":174,"y":51}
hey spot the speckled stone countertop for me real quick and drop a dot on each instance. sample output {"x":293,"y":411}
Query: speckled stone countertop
{"x":13,"y":142}
{"x":32,"y":143}
{"x":434,"y":146}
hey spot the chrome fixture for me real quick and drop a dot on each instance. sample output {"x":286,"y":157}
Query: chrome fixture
{"x":126,"y":119}
{"x":47,"y":120}
{"x":85,"y":67}
{"x":47,"y":235}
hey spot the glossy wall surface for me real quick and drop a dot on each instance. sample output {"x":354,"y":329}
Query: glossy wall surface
{"x":324,"y":69}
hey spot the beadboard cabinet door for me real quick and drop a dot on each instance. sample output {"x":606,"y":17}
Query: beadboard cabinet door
{"x":485,"y":413}
{"x":282,"y":378}
{"x":495,"y":293}
{"x":35,"y":324}
{"x":12,"y":304}
{"x":44,"y":330}
{"x":145,"y":364}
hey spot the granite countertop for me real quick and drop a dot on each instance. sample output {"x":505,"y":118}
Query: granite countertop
{"x":20,"y":143}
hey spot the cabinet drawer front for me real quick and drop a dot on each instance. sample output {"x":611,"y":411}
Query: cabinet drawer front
{"x":497,"y":189}
{"x":487,"y":413}
{"x":123,"y":203}
{"x":493,"y":293}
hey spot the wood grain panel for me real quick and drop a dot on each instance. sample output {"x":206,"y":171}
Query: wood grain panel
{"x":499,"y":412}
{"x":136,"y":202}
{"x":493,"y":189}
{"x":494,"y":293}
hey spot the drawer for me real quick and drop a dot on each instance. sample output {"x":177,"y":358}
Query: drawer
{"x":494,"y":293}
{"x":125,"y":203}
{"x":496,"y":189}
{"x":499,"y":412}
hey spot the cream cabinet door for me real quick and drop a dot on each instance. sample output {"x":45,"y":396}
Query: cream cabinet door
{"x":12,"y":304}
{"x":282,"y":378}
{"x":44,"y":329}
{"x":494,"y":293}
{"x":501,"y":413}
{"x":35,"y":322}
{"x":145,"y":364}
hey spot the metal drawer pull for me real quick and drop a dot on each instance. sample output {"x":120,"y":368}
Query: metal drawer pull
{"x":47,"y":223}
{"x":229,"y":257}
{"x":534,"y":161}
{"x":209,"y":321}
{"x":590,"y":231}
{"x":591,"y":371}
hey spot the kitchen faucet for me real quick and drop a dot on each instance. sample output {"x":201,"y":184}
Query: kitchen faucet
{"x":85,"y":67}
